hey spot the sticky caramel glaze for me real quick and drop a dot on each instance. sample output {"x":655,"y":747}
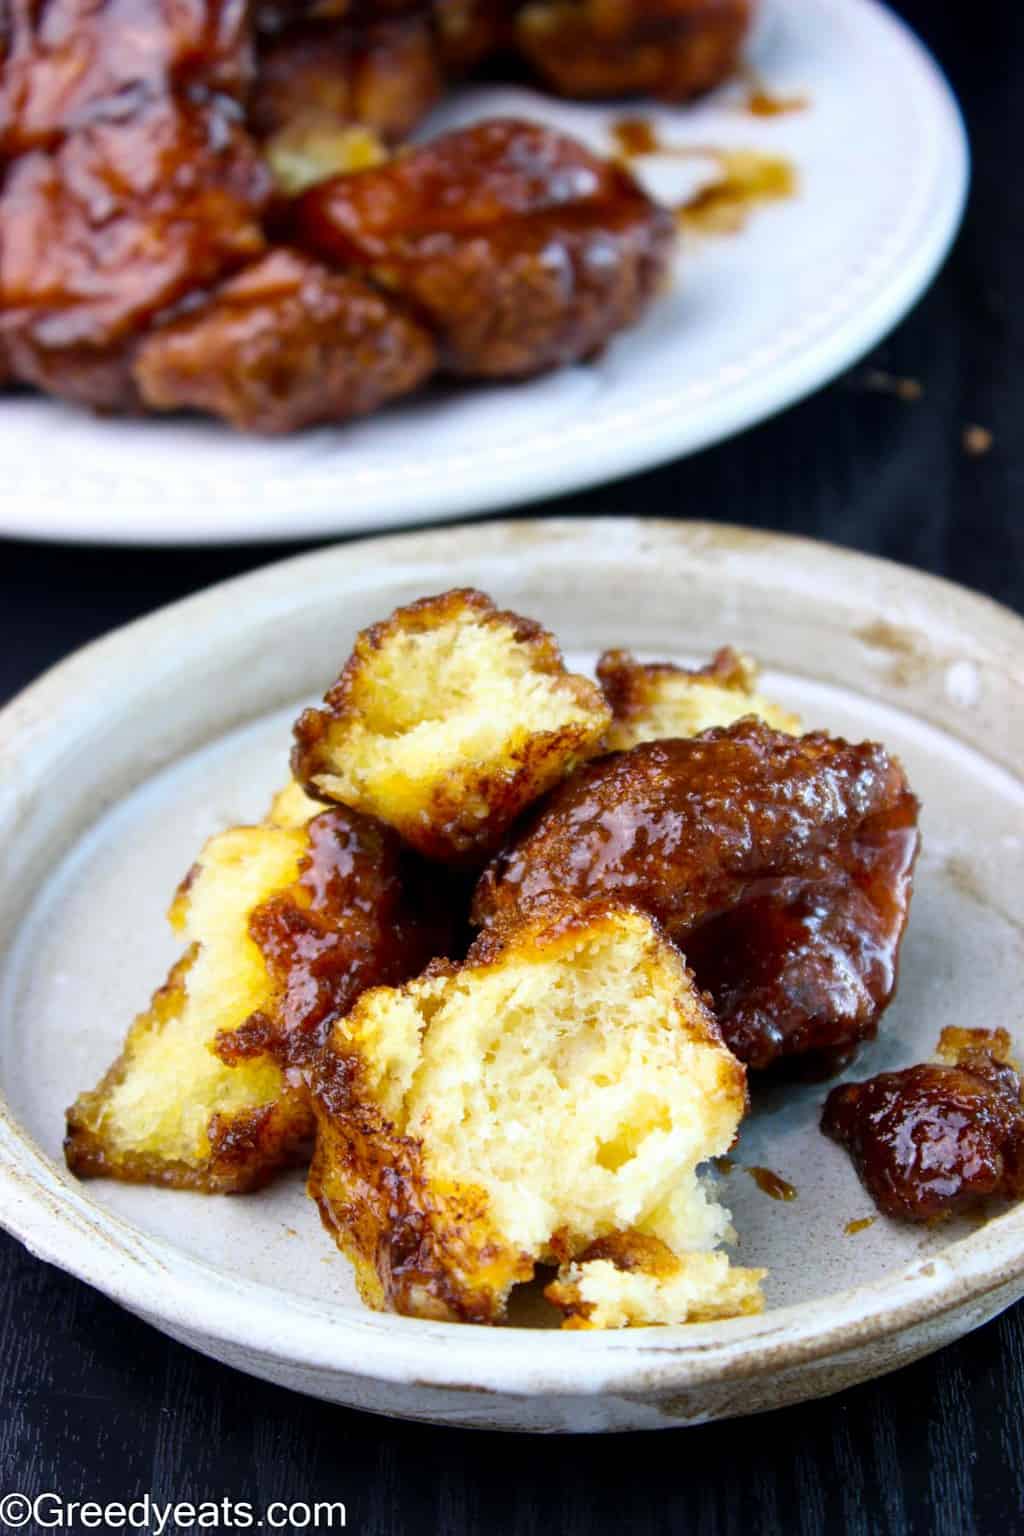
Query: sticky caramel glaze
{"x":763,"y":102}
{"x":806,"y":967}
{"x":939,"y":1137}
{"x":635,"y":136}
{"x":746,"y":177}
{"x":739,"y":841}
{"x":515,"y":246}
{"x":375,"y":1199}
{"x":772,"y":1184}
{"x":365,"y":911}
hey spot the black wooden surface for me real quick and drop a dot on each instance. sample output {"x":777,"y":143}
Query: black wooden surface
{"x":95,"y":1404}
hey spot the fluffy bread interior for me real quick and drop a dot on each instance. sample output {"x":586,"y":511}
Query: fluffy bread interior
{"x":698,"y":1287}
{"x":563,"y":1088}
{"x":447,"y":721}
{"x":153,"y":1115}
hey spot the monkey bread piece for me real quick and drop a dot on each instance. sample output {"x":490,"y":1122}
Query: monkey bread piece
{"x":782,"y":866}
{"x":682,"y":828}
{"x":629,"y":1279}
{"x":66,"y":59}
{"x":170,"y":1111}
{"x":286,"y":922}
{"x":385,"y":77}
{"x":447,"y":721}
{"x":563,"y":1085}
{"x":673,"y":49}
{"x":284,"y":345}
{"x":654,"y":700}
{"x":939,"y":1137}
{"x":123,"y":220}
{"x":519,"y":248}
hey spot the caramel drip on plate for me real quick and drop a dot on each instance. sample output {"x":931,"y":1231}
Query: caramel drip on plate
{"x":772,"y":1184}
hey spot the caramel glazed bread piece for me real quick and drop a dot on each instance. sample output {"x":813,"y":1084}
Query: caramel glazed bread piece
{"x":447,"y":721}
{"x":547,"y":1102}
{"x":781,"y":865}
{"x":285,"y":923}
{"x":940,"y":1137}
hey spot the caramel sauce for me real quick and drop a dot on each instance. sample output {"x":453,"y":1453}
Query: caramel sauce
{"x":746,"y":179}
{"x":635,"y":136}
{"x":772,"y":1184}
{"x":860,"y":1225}
{"x":762,"y":102}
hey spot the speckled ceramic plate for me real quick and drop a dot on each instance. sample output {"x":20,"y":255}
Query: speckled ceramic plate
{"x":749,"y":324}
{"x":116,"y":766}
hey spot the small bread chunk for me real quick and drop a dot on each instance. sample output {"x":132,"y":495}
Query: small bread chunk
{"x":170,"y":1111}
{"x":652,"y":701}
{"x":447,"y":721}
{"x":561,"y":1086}
{"x":629,"y":1280}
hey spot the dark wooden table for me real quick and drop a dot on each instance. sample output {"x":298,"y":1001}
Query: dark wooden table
{"x":95,"y":1404}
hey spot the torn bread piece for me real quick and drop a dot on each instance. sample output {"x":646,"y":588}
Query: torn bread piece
{"x":561,"y":1086}
{"x":170,"y":1111}
{"x":632,"y":1280}
{"x":286,"y":923}
{"x":447,"y":721}
{"x":652,"y":701}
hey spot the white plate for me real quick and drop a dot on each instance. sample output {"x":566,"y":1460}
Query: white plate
{"x":115,"y":767}
{"x":753,"y":322}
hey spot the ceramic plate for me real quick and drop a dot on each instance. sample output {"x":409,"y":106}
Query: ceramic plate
{"x":116,"y":766}
{"x":751,"y":323}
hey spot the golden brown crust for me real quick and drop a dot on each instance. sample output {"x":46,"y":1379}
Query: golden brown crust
{"x":520,"y":249}
{"x":415,"y":1249}
{"x":459,"y":809}
{"x":285,"y":345}
{"x":246,"y":1149}
{"x":626,"y":681}
{"x":654,"y":700}
{"x":673,"y":49}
